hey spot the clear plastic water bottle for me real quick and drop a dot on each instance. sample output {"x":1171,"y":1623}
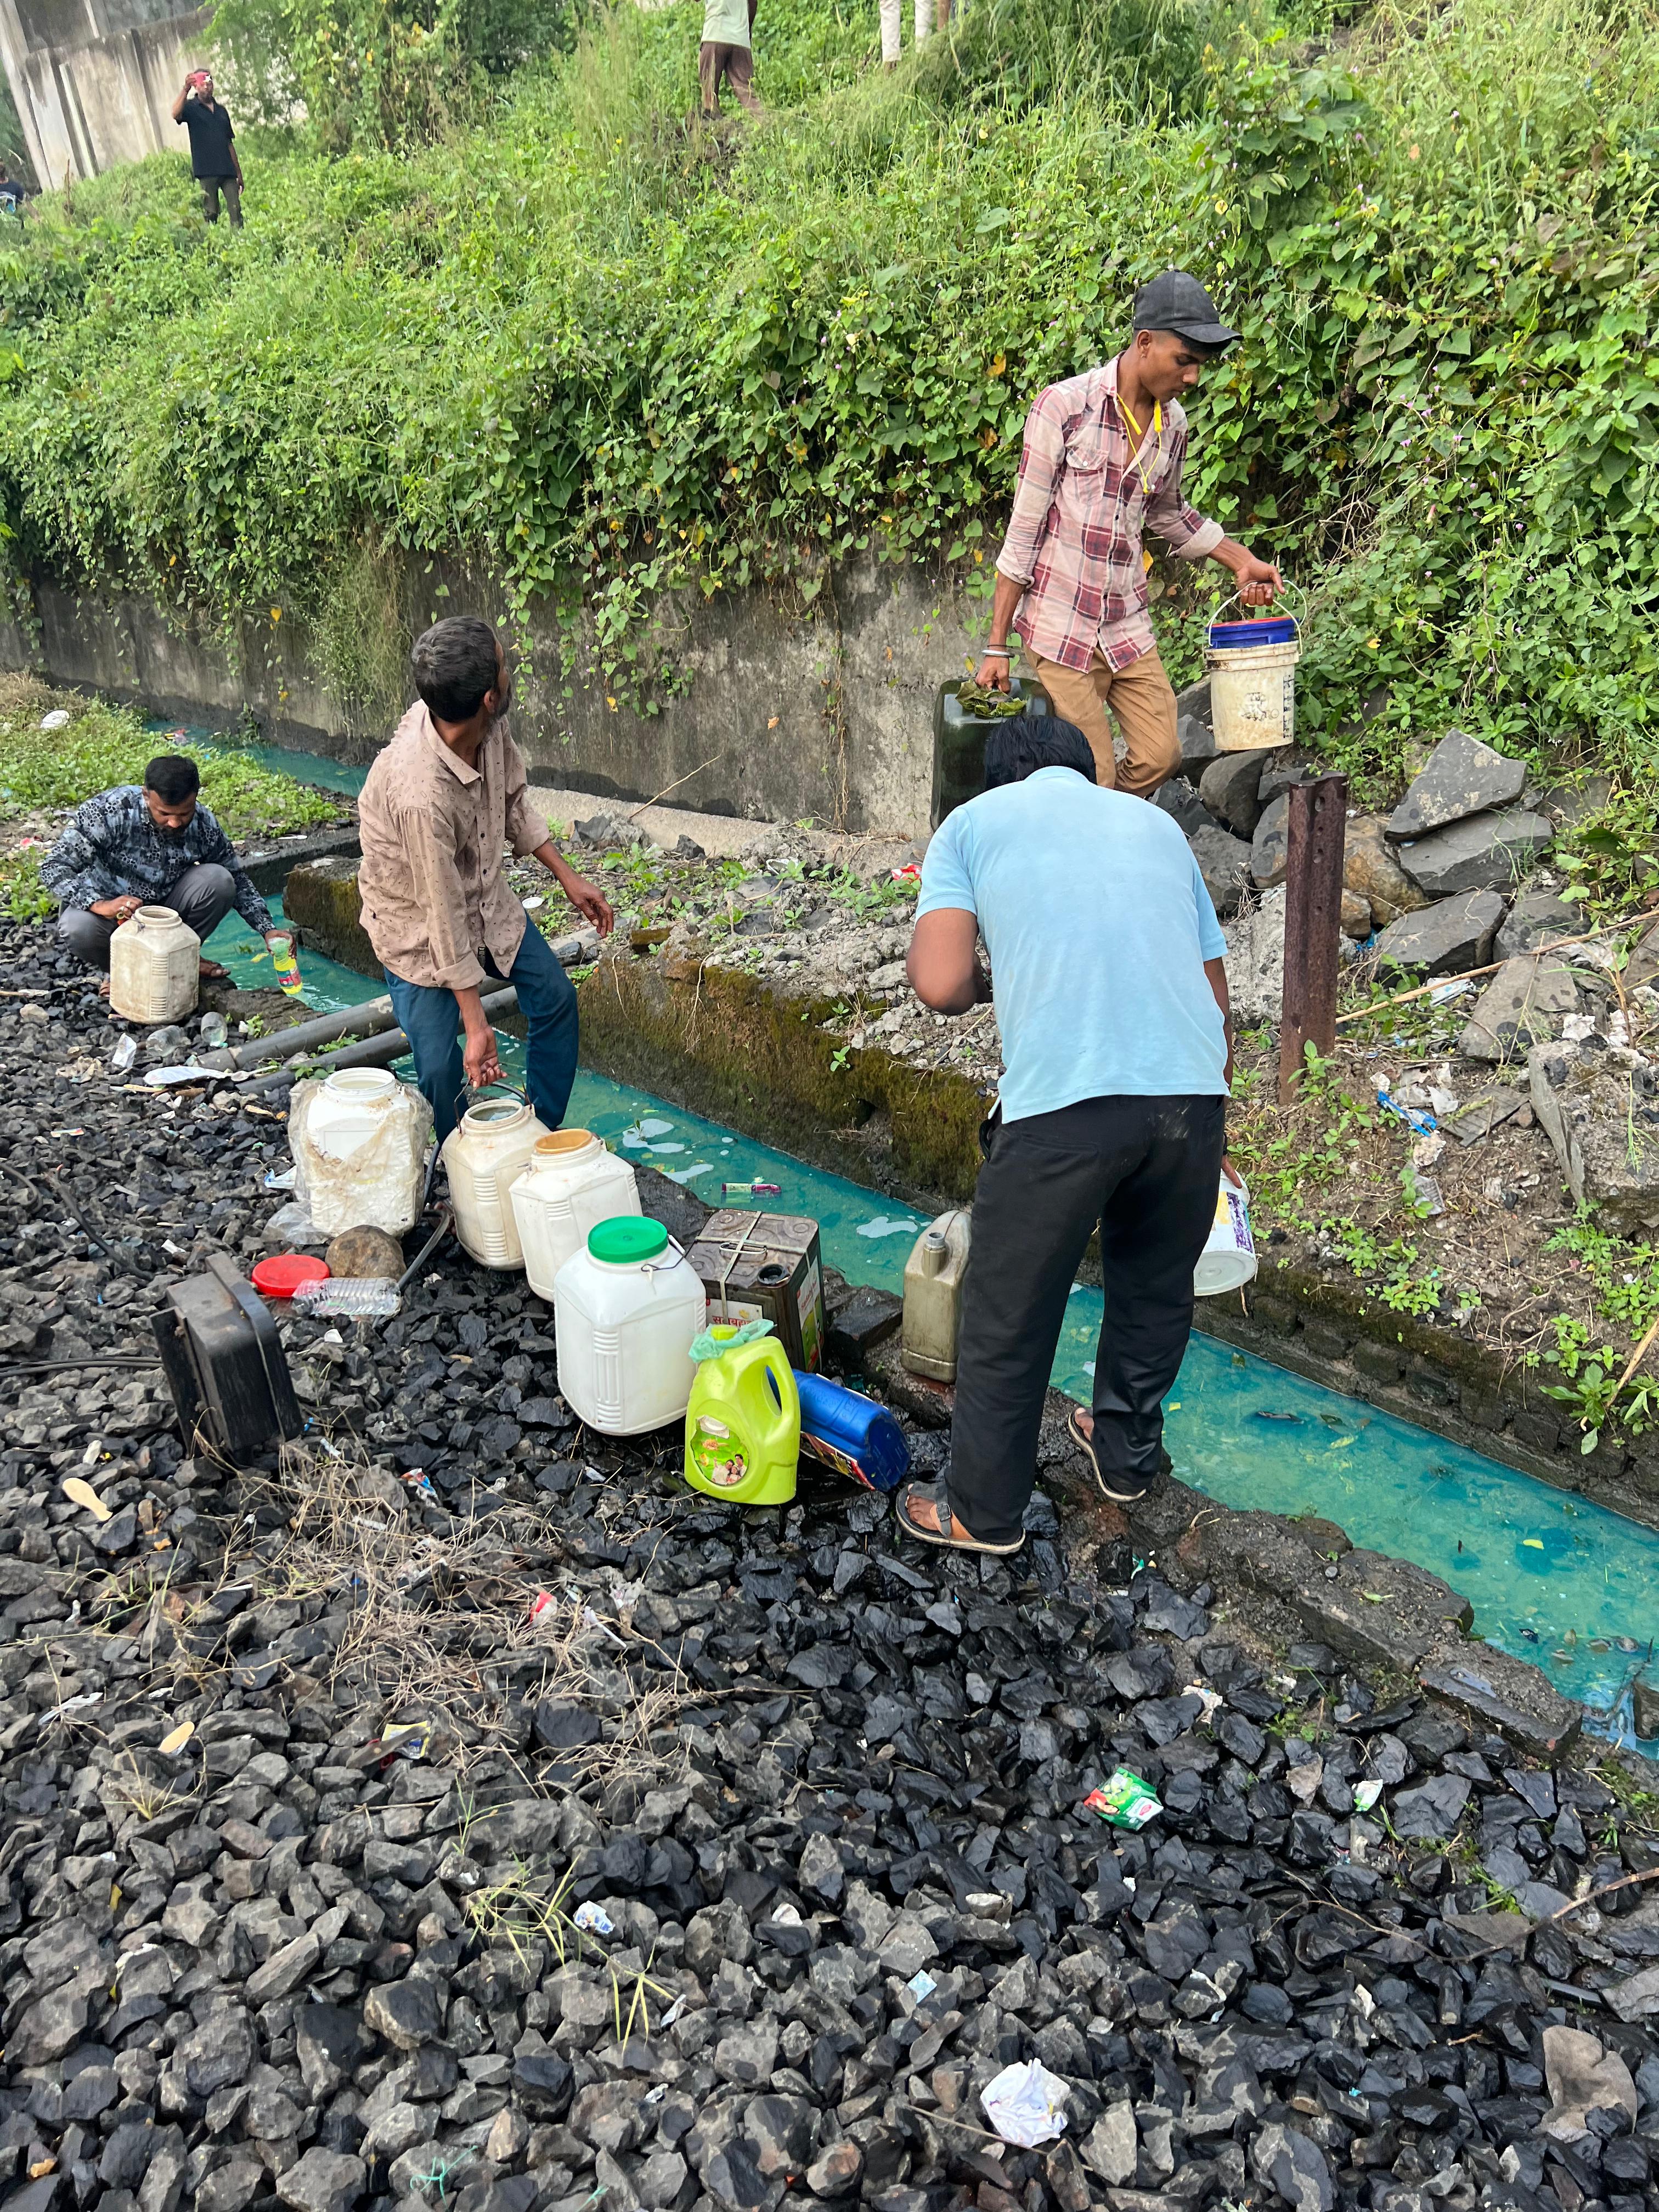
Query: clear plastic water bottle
{"x":354,"y":1297}
{"x":286,"y":966}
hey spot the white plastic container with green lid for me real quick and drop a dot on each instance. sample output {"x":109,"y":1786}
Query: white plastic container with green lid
{"x":625,"y":1310}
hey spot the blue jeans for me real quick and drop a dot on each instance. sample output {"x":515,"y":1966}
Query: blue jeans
{"x":430,"y":1019}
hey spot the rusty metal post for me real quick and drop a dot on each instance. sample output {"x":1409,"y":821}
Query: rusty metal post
{"x":1313,"y":922}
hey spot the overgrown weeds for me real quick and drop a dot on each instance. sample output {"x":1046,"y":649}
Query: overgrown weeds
{"x":610,"y":357}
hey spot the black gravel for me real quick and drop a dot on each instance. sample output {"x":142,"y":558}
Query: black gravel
{"x":824,"y":1790}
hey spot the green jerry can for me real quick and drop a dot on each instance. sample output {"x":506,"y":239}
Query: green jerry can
{"x":961,"y":726}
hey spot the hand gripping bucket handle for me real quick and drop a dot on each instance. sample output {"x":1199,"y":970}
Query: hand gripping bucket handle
{"x":1265,"y":614}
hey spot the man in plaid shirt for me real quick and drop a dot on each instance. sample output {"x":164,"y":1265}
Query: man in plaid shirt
{"x":1101,"y":460}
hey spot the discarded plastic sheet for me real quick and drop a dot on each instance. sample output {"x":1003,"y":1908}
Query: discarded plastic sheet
{"x":79,"y":1492}
{"x":1124,"y":1801}
{"x":751,"y":1190}
{"x":543,"y":1606}
{"x":594,"y":1919}
{"x":1026,"y":2104}
{"x":125,"y":1052}
{"x":276,"y":1182}
{"x":175,"y":1739}
{"x":1209,"y":1699}
{"x":1412,"y":1116}
{"x":922,"y":1985}
{"x":406,"y":1738}
{"x":1365,"y":1794}
{"x":164,"y":1078}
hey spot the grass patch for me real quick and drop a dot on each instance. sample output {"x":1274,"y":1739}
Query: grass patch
{"x":46,"y":771}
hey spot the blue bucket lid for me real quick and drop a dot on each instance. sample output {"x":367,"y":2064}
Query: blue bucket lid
{"x":1279,"y":629}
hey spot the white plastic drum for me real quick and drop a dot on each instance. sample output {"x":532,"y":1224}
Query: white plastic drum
{"x":1228,"y":1260}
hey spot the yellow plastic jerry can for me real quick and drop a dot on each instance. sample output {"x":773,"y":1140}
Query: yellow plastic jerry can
{"x":743,"y":1425}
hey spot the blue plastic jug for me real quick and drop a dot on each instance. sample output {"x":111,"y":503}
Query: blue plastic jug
{"x":851,"y":1433}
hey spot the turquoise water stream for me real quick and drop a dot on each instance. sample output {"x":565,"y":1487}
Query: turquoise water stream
{"x":1552,"y":1579}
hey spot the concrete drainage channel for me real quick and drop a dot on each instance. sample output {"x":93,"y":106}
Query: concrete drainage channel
{"x":1298,"y":1498}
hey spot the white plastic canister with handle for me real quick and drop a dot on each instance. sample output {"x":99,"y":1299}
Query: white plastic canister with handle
{"x":1228,"y":1260}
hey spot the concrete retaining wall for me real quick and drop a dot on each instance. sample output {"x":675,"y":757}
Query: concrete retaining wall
{"x":95,"y":80}
{"x":825,"y":712}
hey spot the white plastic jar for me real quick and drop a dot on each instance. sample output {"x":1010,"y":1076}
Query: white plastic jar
{"x":571,"y":1184}
{"x":360,"y":1141}
{"x":483,"y":1155}
{"x":626,"y":1308}
{"x":154,"y":967}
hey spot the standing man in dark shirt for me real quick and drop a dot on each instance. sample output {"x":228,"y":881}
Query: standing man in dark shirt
{"x":213,"y":162}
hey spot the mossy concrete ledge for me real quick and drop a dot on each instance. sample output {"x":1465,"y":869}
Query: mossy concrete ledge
{"x":722,"y":1044}
{"x":741,"y":1051}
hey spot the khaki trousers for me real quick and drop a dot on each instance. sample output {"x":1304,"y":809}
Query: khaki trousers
{"x":1143,"y":704}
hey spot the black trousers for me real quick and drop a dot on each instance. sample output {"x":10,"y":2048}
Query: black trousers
{"x":1145,"y":1169}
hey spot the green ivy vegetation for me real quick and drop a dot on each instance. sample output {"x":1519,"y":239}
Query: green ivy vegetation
{"x":47,"y":771}
{"x":606,"y":355}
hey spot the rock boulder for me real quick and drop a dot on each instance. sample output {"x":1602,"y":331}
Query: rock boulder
{"x":1461,"y":777}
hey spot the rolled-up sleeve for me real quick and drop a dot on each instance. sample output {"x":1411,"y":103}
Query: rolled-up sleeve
{"x":441,"y":898}
{"x":526,"y":828}
{"x":1040,"y":459}
{"x":1188,"y":535}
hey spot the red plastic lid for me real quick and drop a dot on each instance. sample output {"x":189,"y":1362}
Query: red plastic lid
{"x":281,"y":1275}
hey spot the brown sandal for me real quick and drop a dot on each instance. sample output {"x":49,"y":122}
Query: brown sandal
{"x":950,"y":1531}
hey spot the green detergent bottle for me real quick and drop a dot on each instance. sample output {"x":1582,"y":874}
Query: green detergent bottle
{"x":743,"y":1425}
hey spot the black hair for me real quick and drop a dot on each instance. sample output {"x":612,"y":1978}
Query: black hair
{"x":1023,"y":744}
{"x":173,"y":778}
{"x":455,"y":663}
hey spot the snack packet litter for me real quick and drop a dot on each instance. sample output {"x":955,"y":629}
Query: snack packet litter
{"x":1123,"y":1800}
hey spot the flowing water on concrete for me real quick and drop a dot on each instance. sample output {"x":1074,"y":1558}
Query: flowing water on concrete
{"x":1552,"y":1578}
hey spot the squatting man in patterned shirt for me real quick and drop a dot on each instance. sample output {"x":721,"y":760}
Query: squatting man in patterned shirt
{"x":154,"y":846}
{"x":1101,"y":460}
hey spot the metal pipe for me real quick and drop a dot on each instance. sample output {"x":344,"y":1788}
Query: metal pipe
{"x":368,"y":1052}
{"x":1316,"y":831}
{"x":365,"y":1020}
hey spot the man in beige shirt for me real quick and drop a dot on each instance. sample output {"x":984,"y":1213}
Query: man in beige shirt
{"x":439,"y":805}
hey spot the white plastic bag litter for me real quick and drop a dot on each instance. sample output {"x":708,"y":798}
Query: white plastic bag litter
{"x":1026,"y":2104}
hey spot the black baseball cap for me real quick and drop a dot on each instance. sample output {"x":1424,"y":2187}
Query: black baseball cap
{"x":1175,"y":301}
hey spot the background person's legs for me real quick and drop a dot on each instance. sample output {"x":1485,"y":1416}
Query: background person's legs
{"x":891,"y":17}
{"x":1153,"y":1226}
{"x":202,"y":898}
{"x":547,"y":999}
{"x":708,"y":77}
{"x":232,"y":189}
{"x":86,"y":935}
{"x":1078,"y":696}
{"x":430,"y":1019}
{"x":739,"y":66}
{"x":1035,"y":1209}
{"x":1143,"y":700}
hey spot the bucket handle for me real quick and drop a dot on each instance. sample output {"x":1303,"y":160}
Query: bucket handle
{"x":1259,"y":614}
{"x":500,"y":1083}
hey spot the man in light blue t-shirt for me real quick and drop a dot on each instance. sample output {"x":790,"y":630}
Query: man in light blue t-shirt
{"x":1106,"y":960}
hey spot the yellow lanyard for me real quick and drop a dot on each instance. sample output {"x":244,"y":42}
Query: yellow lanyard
{"x":1140,"y":438}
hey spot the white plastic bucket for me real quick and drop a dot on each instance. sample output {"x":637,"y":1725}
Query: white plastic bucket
{"x":1253,"y":692}
{"x":1228,"y":1260}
